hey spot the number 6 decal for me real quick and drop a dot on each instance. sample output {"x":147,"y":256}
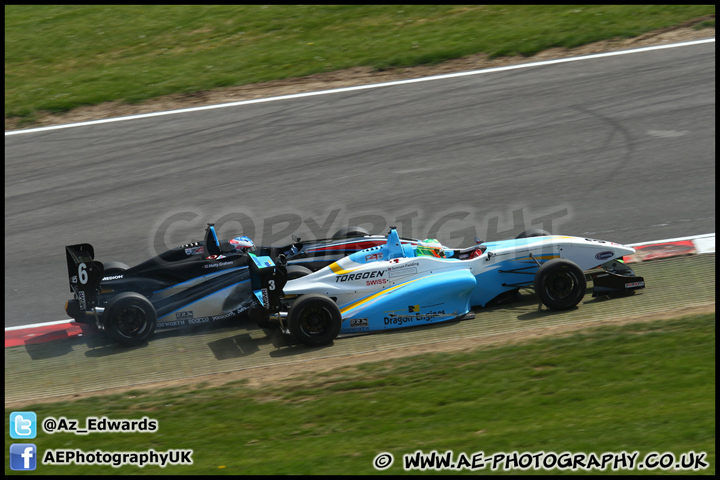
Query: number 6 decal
{"x":82,"y":274}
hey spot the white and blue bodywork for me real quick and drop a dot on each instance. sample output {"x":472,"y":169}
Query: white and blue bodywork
{"x":390,"y":286}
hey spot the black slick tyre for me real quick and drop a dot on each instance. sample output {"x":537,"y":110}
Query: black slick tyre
{"x":534,"y":232}
{"x":560,"y":284}
{"x":348,"y":232}
{"x":297,"y":271}
{"x":113,"y":268}
{"x":129,"y":319}
{"x":314,"y":320}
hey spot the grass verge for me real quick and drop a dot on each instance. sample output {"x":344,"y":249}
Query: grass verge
{"x":646,"y":387}
{"x":61,"y":57}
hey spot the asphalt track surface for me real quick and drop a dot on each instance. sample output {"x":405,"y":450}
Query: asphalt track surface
{"x":620,"y":148}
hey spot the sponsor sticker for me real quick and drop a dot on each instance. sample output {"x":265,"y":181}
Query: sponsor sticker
{"x":81,"y":300}
{"x":403,"y":272}
{"x":393,"y":319}
{"x":176,"y":323}
{"x":359,"y":276}
{"x":604,"y":255}
{"x":195,"y":321}
{"x":358,"y":322}
{"x":187,"y":318}
{"x":194,"y":250}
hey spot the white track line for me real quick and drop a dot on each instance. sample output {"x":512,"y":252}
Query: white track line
{"x":36,"y":325}
{"x":360,"y":87}
{"x":679,"y":239}
{"x":708,"y":237}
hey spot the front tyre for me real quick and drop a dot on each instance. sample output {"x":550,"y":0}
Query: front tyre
{"x":129,"y":319}
{"x":315,"y":320}
{"x":560,"y":284}
{"x":350,"y":231}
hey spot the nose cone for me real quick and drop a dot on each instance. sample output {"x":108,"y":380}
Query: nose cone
{"x":622,"y":251}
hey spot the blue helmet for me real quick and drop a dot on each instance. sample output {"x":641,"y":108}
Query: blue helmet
{"x":242,"y":244}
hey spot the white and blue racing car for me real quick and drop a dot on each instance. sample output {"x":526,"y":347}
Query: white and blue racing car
{"x":398,"y":285}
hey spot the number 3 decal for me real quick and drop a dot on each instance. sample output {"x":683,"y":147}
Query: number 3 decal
{"x":271,"y":285}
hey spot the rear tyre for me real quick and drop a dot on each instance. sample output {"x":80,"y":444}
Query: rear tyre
{"x":129,"y":319}
{"x":560,"y":284}
{"x":315,"y":320}
{"x":297,"y":271}
{"x":534,"y":232}
{"x":348,"y":232}
{"x":113,"y":268}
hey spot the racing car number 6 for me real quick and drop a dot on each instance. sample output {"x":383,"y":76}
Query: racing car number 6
{"x":82,"y":274}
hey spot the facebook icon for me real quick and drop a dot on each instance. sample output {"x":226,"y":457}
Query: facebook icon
{"x":23,"y":456}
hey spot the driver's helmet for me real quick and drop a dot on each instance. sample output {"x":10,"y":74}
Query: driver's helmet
{"x":242,"y":244}
{"x":430,"y":248}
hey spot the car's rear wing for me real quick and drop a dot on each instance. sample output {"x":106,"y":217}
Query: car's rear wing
{"x":84,"y":274}
{"x":267,"y":281}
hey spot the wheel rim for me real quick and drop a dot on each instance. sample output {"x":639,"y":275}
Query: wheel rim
{"x":561,"y":285}
{"x":131,"y":321}
{"x":315,"y":321}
